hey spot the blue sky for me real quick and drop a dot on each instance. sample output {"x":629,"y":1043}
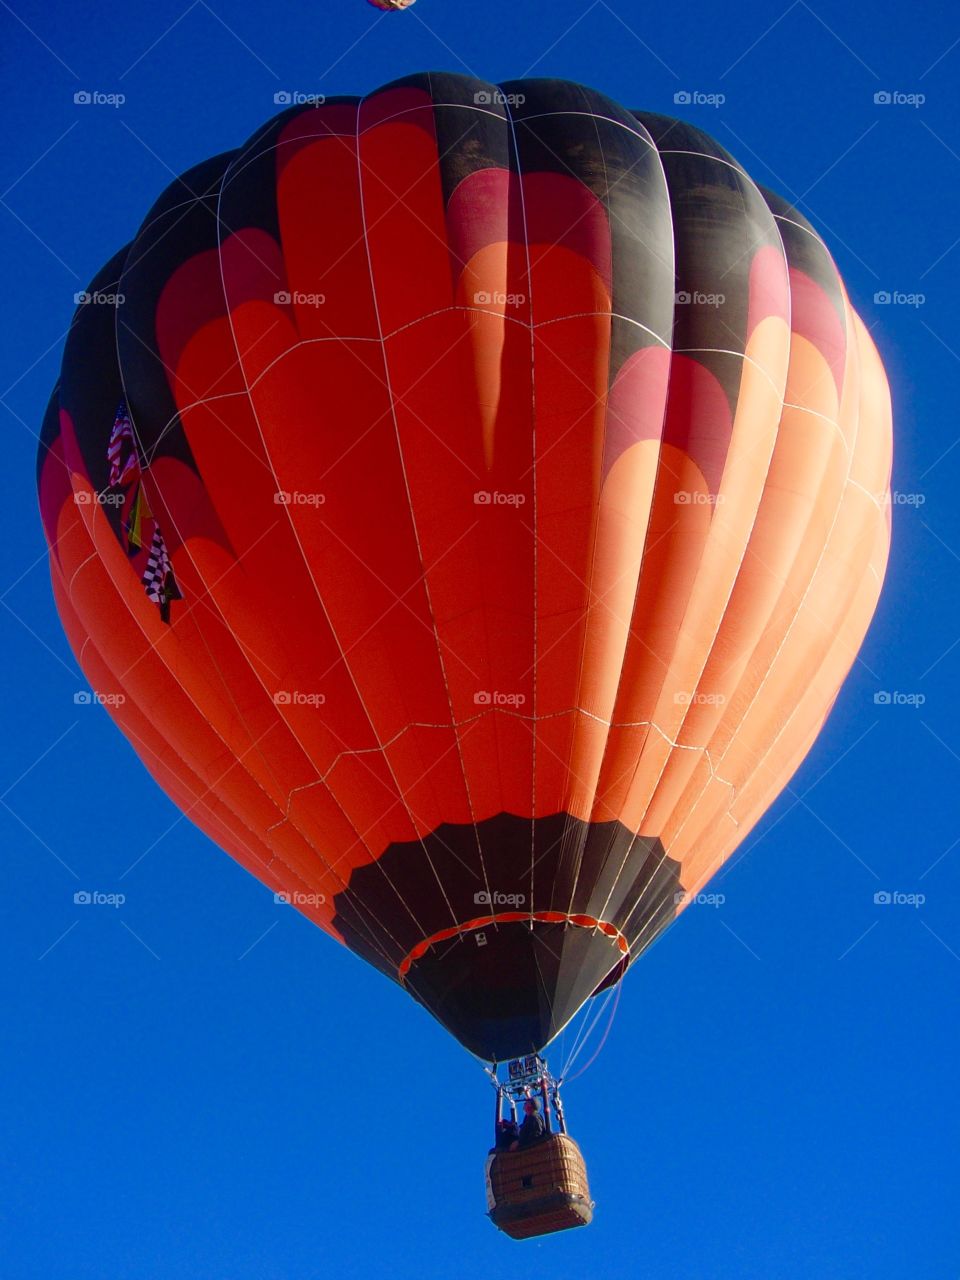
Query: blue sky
{"x":197,"y":1083}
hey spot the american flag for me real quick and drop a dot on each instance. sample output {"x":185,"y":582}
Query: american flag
{"x":122,"y":449}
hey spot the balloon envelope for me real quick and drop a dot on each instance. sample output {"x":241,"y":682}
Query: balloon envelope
{"x":469,"y":500}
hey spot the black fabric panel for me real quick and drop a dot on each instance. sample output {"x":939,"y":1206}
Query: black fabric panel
{"x":182,"y":224}
{"x":522,"y":982}
{"x":679,"y":135}
{"x":49,"y":430}
{"x":509,"y":992}
{"x":249,"y":188}
{"x":612,"y":155}
{"x":90,"y":386}
{"x":805,"y":250}
{"x":720,"y":222}
{"x":471,"y":138}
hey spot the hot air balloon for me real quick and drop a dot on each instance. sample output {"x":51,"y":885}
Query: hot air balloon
{"x":391,"y":4}
{"x":478,"y":495}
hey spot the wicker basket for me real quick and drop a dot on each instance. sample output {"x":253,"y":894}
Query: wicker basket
{"x":540,"y":1189}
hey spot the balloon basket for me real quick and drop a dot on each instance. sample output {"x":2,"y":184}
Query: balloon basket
{"x":541,"y":1189}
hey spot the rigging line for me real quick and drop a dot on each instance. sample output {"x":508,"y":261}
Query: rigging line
{"x":589,"y":1032}
{"x":613,"y":1013}
{"x":584,"y":1014}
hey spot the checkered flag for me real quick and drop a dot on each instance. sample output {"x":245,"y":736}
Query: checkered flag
{"x":158,"y":580}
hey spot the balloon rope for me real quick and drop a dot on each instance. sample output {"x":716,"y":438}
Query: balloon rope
{"x":584,"y":1019}
{"x":603,"y":1041}
{"x":578,"y":1048}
